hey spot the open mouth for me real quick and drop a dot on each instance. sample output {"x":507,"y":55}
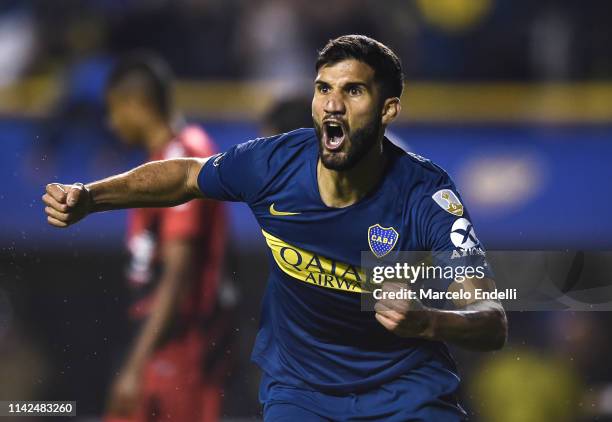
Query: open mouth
{"x":333,"y":136}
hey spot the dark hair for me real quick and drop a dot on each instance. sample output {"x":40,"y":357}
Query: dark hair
{"x":146,"y":74}
{"x":387,"y":66}
{"x":288,"y":114}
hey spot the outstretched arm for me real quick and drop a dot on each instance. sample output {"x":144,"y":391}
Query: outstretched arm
{"x":155,"y":184}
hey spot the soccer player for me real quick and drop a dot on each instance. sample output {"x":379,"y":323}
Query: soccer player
{"x":322,"y":196}
{"x":171,"y":371}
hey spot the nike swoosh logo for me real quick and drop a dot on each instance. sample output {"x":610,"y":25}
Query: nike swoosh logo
{"x":281,"y":213}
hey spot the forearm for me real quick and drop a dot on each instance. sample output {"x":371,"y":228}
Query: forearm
{"x":479,"y":326}
{"x":178,"y":257}
{"x":167,"y":299}
{"x":155,"y":184}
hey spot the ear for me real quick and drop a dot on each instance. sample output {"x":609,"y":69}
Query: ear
{"x":391,"y":109}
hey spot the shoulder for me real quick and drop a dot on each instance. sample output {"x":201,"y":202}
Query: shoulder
{"x":293,"y":139}
{"x":426,"y":187}
{"x":419,"y":172}
{"x":249,"y":170}
{"x":298,"y":136}
{"x":278,"y":147}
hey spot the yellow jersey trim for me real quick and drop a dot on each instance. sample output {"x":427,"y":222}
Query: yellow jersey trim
{"x":315,"y":269}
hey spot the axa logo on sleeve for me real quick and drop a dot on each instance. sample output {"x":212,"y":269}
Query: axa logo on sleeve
{"x":463,"y":235}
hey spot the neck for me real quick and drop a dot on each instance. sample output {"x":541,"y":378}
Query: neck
{"x":158,"y":135}
{"x":341,"y":189}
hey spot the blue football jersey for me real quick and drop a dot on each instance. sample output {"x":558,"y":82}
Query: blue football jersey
{"x":313,"y":333}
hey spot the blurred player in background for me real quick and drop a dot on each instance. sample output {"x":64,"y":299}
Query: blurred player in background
{"x":287,"y":114}
{"x":174,"y":369}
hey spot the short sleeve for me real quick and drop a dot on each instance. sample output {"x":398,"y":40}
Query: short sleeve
{"x":240,"y":173}
{"x":444,"y":220}
{"x":448,"y":232}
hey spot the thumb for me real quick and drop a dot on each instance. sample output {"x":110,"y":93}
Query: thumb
{"x":74,"y":194}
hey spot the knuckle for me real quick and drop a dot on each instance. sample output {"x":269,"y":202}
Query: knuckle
{"x":57,"y":215}
{"x":55,"y":222}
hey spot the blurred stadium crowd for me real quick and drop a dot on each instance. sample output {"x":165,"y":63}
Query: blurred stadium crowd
{"x":216,"y":39}
{"x":528,"y":154}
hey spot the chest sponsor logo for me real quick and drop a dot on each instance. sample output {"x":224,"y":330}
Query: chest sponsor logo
{"x":313,"y":268}
{"x":449,"y":202}
{"x":381,"y":239}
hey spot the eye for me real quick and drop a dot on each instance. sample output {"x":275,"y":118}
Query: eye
{"x":355,"y":90}
{"x":323,"y":89}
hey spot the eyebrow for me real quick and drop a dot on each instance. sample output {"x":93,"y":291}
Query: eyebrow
{"x":347,"y":84}
{"x":358,"y":84}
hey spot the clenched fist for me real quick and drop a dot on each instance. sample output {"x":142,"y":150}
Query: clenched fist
{"x":66,"y":204}
{"x":403,"y":317}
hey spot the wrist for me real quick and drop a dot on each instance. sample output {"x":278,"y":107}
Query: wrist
{"x":90,"y":207}
{"x":432,"y":324}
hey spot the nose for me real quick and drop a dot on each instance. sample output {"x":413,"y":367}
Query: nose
{"x":334,"y":104}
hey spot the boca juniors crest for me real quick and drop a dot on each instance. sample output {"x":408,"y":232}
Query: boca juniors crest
{"x":381,"y":239}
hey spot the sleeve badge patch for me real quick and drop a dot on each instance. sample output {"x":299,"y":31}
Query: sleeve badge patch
{"x":449,"y":202}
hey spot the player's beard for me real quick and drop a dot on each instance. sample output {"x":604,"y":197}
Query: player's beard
{"x":360,"y":142}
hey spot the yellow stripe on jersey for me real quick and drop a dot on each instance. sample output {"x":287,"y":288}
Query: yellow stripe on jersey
{"x":315,"y":269}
